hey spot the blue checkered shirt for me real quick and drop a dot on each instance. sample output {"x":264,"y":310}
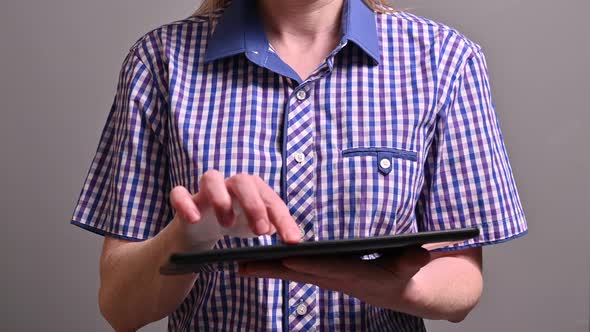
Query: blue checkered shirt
{"x":395,"y":132}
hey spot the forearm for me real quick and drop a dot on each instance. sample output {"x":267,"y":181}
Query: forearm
{"x":447,"y":288}
{"x":132,"y":292}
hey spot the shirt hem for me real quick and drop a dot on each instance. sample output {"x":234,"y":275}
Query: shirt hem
{"x":102,"y":232}
{"x":481,"y":244}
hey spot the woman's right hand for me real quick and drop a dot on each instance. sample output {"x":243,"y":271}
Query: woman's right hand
{"x":263,"y":209}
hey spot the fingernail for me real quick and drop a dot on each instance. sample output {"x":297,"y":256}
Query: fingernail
{"x":296,"y":236}
{"x":288,"y":237}
{"x":194,"y":216}
{"x":262,"y":226}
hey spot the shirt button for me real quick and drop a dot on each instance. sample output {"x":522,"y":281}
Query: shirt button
{"x":301,"y":309}
{"x":301,"y":95}
{"x":299,"y":157}
{"x":385,"y":163}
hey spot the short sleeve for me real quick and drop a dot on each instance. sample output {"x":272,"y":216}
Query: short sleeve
{"x":125,"y":194}
{"x":468,"y":181}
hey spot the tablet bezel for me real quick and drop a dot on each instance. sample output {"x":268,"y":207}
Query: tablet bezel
{"x":192,"y":261}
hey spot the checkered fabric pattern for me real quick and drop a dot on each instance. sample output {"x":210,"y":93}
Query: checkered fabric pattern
{"x":395,"y":132}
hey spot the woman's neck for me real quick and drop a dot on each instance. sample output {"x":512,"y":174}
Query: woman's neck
{"x":302,"y":18}
{"x":302,"y":32}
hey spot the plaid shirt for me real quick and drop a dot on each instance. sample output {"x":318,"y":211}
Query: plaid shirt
{"x":395,"y":132}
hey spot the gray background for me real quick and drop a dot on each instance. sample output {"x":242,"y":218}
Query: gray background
{"x":59,"y":62}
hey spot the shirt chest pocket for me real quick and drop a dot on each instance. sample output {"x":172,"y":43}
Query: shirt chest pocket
{"x":373,"y":185}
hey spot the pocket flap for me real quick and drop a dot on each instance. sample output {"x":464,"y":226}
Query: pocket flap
{"x":384,"y":156}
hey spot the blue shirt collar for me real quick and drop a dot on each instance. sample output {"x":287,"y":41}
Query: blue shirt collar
{"x":240,"y":31}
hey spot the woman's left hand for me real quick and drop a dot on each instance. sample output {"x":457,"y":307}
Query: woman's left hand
{"x":384,"y":282}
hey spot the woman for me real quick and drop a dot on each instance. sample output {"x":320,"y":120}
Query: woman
{"x":323,"y":119}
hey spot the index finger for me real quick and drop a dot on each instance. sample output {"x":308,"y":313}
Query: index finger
{"x":279,"y":213}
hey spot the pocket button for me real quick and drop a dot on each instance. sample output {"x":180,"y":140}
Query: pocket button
{"x":385,"y":163}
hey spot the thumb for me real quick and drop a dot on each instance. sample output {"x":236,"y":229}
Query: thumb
{"x":407,"y":264}
{"x":412,"y":260}
{"x":182,"y":201}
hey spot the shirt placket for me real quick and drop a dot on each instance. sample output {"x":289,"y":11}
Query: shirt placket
{"x":301,"y":189}
{"x":300,"y":176}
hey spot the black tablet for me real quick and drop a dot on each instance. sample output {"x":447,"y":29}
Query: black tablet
{"x":181,"y":263}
